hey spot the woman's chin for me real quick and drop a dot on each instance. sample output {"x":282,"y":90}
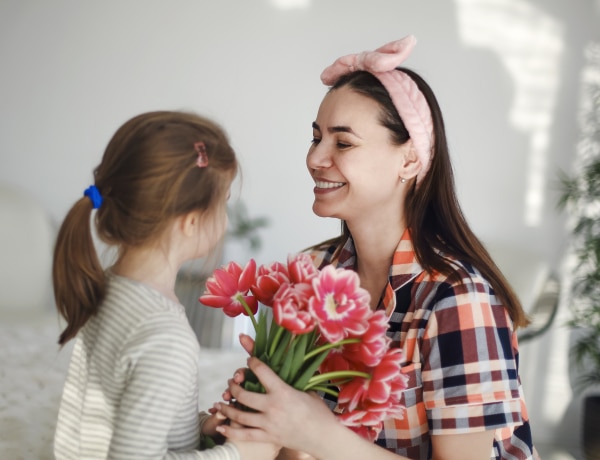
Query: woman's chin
{"x":322,"y":211}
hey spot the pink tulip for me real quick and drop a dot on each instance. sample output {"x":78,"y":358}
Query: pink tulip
{"x":373,"y":343}
{"x":228,"y":285}
{"x":268,"y":281}
{"x":371,"y":415}
{"x":340,"y":305}
{"x":301,"y":269}
{"x":363,"y":370}
{"x":290,"y":308}
{"x":334,"y":362}
{"x":370,"y":433}
{"x":386,"y":383}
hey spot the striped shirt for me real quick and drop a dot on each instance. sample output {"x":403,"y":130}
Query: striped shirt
{"x":461,"y":356}
{"x":131,"y":390}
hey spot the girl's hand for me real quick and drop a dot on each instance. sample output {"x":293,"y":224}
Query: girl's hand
{"x":210,"y":424}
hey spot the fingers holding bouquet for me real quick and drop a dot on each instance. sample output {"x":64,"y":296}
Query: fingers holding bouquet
{"x":275,"y":416}
{"x":323,"y":337}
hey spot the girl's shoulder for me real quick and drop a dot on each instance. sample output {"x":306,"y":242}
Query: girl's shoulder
{"x":138,"y":307}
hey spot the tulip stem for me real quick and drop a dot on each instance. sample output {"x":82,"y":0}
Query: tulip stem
{"x":325,"y":389}
{"x":320,"y":378}
{"x":240,"y":297}
{"x":276,"y":340}
{"x":329,"y":346}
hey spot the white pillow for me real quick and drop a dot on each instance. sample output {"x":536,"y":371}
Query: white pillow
{"x":26,"y":245}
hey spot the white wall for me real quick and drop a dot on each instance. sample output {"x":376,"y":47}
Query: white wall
{"x":506,"y":75}
{"x":72,"y":72}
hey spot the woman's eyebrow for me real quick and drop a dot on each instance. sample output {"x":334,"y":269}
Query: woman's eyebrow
{"x":336,"y":129}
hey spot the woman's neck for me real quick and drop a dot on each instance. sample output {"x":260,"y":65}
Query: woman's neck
{"x":375,"y":245}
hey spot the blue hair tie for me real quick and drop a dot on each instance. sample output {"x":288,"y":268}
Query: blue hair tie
{"x":93,"y":194}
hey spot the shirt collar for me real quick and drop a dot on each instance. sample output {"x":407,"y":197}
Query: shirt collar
{"x":405,"y":265}
{"x":404,"y":262}
{"x":404,"y":268}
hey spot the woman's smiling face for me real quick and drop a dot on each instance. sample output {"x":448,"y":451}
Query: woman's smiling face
{"x":356,"y":167}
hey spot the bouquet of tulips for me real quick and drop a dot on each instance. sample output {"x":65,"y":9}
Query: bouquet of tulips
{"x":323,"y":335}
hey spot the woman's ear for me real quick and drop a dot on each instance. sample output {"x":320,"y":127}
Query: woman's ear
{"x":410,"y":165}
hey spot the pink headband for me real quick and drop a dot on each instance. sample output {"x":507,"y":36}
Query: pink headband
{"x":406,"y":96}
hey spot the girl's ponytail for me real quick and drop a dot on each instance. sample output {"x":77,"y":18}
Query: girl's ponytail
{"x":77,"y":275}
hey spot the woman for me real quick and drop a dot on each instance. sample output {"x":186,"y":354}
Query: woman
{"x":380,"y":163}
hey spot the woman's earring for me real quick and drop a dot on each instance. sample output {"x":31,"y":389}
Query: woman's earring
{"x":403,"y":180}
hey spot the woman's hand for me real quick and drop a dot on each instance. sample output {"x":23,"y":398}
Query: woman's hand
{"x":299,"y":422}
{"x":256,"y":450}
{"x":285,"y":416}
{"x":287,"y":454}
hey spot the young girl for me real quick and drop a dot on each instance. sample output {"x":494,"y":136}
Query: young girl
{"x":160,"y":196}
{"x":380,"y":163}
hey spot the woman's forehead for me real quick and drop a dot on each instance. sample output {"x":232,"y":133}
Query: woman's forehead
{"x":344,"y":107}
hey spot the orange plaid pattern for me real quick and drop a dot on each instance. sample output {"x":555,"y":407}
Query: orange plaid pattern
{"x":461,"y":356}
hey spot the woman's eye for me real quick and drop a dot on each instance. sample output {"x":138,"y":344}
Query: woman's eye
{"x":343,"y":145}
{"x":315,"y":140}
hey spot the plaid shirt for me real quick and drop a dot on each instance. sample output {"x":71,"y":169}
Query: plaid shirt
{"x":461,"y":357}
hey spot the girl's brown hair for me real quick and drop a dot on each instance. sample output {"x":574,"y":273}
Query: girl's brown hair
{"x":432,"y":210}
{"x":147,"y":177}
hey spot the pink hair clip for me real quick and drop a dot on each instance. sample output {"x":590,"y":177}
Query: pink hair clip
{"x":200,"y":149}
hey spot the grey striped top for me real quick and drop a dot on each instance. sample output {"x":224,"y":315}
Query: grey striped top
{"x":131,"y":391}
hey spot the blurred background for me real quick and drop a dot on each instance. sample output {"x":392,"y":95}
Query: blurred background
{"x":509,"y":76}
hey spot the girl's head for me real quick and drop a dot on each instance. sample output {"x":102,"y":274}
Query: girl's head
{"x":150,"y":173}
{"x":157,"y":167}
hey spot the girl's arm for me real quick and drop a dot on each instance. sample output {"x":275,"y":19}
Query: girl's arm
{"x":161,"y":400}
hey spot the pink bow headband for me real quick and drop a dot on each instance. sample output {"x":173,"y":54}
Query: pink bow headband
{"x":406,"y":96}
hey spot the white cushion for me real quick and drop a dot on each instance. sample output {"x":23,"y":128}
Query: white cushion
{"x":26,"y":245}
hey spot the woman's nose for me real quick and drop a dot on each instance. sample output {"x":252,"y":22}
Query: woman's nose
{"x":318,"y":157}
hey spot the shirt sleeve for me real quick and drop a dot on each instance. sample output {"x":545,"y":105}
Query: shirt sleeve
{"x":470,"y":375}
{"x":157,"y":407}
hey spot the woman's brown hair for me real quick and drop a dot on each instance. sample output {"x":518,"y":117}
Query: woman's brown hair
{"x":432,"y":209}
{"x":147,"y":177}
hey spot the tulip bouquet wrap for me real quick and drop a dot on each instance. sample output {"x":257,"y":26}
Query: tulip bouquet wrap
{"x":323,"y":336}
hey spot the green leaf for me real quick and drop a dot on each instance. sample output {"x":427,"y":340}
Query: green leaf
{"x":308,"y":371}
{"x":206,"y":442}
{"x":273,"y":328}
{"x":260,"y":342}
{"x":280,"y":351}
{"x":286,"y":369}
{"x":297,"y":358}
{"x":255,"y":387}
{"x":249,"y":378}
